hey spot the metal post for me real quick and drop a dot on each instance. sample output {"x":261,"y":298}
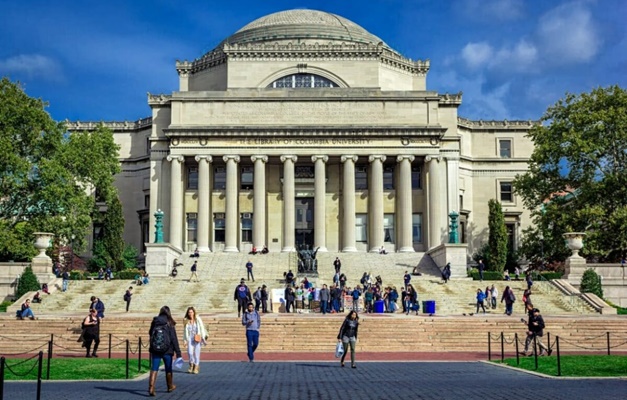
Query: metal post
{"x":489,"y":348}
{"x":608,"y":343}
{"x":2,"y":378}
{"x":49,"y":358}
{"x":502,"y":347}
{"x":110,"y":345}
{"x":139,"y":357}
{"x":40,"y":360}
{"x":517,"y":353}
{"x":127,"y":351}
{"x":559,"y":360}
{"x":535,"y":350}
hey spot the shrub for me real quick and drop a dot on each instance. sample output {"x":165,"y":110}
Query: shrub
{"x":129,"y":256}
{"x":28,"y":282}
{"x":591,"y":283}
{"x":130,"y":273}
{"x":4,"y":305}
{"x":487,"y":275}
{"x":77,"y":275}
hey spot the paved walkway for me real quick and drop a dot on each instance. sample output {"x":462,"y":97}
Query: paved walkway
{"x":326,"y":380}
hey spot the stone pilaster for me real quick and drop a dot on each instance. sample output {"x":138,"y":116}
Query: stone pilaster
{"x":437,"y":200}
{"x":204,"y":202}
{"x":176,"y":202}
{"x":452,"y":178}
{"x":404,"y":215}
{"x":320,"y":201}
{"x":289,"y":203}
{"x":259,"y":201}
{"x":375,"y":202}
{"x":155,"y":192}
{"x":232,"y":204}
{"x":348,"y":203}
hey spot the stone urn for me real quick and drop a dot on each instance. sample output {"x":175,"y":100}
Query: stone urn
{"x":42,"y":243}
{"x":574,"y":241}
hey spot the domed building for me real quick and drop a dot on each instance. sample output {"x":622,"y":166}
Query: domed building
{"x":303,"y":128}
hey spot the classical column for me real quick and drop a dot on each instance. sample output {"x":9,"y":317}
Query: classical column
{"x":375,"y":202}
{"x":320,"y":182}
{"x":348,"y":203}
{"x":176,"y":202}
{"x":259,"y":201}
{"x":437,"y":200}
{"x":452,"y":178}
{"x":155,"y":193}
{"x":289,"y":211}
{"x":204,"y":202}
{"x":232,"y":202}
{"x":404,"y":215}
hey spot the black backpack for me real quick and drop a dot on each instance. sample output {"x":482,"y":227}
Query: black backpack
{"x":160,"y":339}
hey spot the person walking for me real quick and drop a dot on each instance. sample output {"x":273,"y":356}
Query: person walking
{"x":324,"y":299}
{"x":337,"y":264}
{"x":194,"y":336}
{"x":481,"y":267}
{"x":509,"y":298}
{"x":66,"y":280}
{"x":495,"y":295}
{"x":290,"y":297}
{"x":91,"y":332}
{"x":535,"y":331}
{"x":194,"y":270}
{"x":252,"y":321}
{"x":249,"y":270}
{"x":446,"y":272}
{"x":163,"y":345}
{"x":348,"y":335}
{"x":264,"y":299}
{"x":257,"y":297}
{"x":480,"y":300}
{"x":529,"y":280}
{"x":242,"y":296}
{"x":406,"y":279}
{"x":98,"y":305}
{"x":127,"y":297}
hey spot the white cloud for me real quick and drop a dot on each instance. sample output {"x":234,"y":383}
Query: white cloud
{"x":32,"y":66}
{"x":499,"y":10}
{"x":477,"y":54}
{"x":567,"y":34}
{"x":483,"y":55}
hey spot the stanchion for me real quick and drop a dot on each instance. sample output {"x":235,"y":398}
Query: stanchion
{"x":139,"y":357}
{"x":489,"y":347}
{"x":517,"y":353}
{"x":535,"y":350}
{"x":548,"y":340}
{"x":502,"y":347}
{"x":127,"y":351}
{"x":2,"y":378}
{"x":39,"y":368}
{"x":559,"y":360}
{"x":110,"y":345}
{"x":608,"y":343}
{"x":48,"y":361}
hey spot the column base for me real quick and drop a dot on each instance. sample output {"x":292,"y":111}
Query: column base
{"x":374,"y":250}
{"x":407,"y":250}
{"x":231,"y":249}
{"x":350,"y":249}
{"x":321,"y":249}
{"x":204,"y":250}
{"x":287,"y":249}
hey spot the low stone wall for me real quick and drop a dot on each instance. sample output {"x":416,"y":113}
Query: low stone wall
{"x":613,"y":278}
{"x":9,"y":271}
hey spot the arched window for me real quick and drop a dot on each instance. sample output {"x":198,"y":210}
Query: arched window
{"x":302,"y":81}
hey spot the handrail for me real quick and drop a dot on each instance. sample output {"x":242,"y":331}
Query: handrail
{"x":574,"y":301}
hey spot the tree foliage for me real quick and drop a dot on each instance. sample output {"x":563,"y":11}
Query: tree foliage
{"x":591,"y":283}
{"x":497,"y":237}
{"x":28,"y":282}
{"x":577,"y":177}
{"x":47,"y":175}
{"x":113,"y":228}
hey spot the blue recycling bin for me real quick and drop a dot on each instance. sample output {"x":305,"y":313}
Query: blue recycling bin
{"x":379,"y":306}
{"x":428,"y":306}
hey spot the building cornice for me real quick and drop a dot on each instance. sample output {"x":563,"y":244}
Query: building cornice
{"x":73,"y":126}
{"x":491,"y":125}
{"x":318,"y":131}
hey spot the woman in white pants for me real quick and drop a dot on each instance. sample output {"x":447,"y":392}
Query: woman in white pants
{"x":194,"y":336}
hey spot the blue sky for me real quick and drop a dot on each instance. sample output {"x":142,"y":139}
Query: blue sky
{"x":95,"y":60}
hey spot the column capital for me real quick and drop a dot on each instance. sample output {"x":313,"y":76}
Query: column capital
{"x":178,"y":158}
{"x":231,"y":157}
{"x":292,"y":157}
{"x":401,"y":157}
{"x":262,"y":158}
{"x":433,"y":158}
{"x":374,"y":157}
{"x":317,"y":157}
{"x":345,"y":158}
{"x":209,"y":159}
{"x":452,"y":158}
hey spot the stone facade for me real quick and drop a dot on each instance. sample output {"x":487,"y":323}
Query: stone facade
{"x":303,"y":128}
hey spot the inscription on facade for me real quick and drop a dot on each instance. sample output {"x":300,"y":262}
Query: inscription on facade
{"x":301,"y":141}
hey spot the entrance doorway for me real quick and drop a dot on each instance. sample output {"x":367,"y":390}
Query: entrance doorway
{"x":304,"y":222}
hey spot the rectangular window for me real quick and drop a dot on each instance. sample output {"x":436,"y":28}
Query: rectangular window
{"x":416,"y":182}
{"x":192,"y":178}
{"x":416,"y":228}
{"x":219,"y":178}
{"x":192,"y":227}
{"x":505,"y":148}
{"x":219,"y":223}
{"x":361,"y":177}
{"x":147,"y":200}
{"x":507,"y":195}
{"x":388,"y":228}
{"x":388,"y":178}
{"x":361,"y":227}
{"x":247,"y":227}
{"x":246,"y":179}
{"x":511,"y":236}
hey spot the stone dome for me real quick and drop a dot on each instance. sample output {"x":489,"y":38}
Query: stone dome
{"x":307,"y":25}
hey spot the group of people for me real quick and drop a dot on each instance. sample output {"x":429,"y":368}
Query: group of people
{"x":255,"y":250}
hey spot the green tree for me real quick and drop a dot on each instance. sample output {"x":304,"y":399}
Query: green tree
{"x":28,"y":282}
{"x":129,"y":256}
{"x":113,"y":228}
{"x":591,"y":283}
{"x":47,"y":175}
{"x":497,"y":237}
{"x":577,"y":177}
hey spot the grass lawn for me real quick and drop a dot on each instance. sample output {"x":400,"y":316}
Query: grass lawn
{"x":574,"y":365}
{"x":73,"y":369}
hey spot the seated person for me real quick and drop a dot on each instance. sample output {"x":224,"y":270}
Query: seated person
{"x":56,"y":270}
{"x":265,"y":250}
{"x":174,"y":272}
{"x":44,"y":288}
{"x":146,"y":279}
{"x":253,"y":251}
{"x":37,"y":298}
{"x":506,"y":275}
{"x":415,"y":271}
{"x":100,"y":274}
{"x":138,"y":280}
{"x":196,"y":253}
{"x":382,"y":250}
{"x":26,"y":311}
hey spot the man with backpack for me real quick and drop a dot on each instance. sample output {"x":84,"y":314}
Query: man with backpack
{"x":194,"y":268}
{"x":252,"y":321}
{"x":356,"y":293}
{"x":163,"y":345}
{"x":242,"y":296}
{"x":127,"y":297}
{"x":98,"y":305}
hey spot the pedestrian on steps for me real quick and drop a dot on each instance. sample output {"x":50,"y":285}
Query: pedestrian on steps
{"x":194,"y":270}
{"x":348,"y":335}
{"x":194,"y":336}
{"x":163,"y":345}
{"x":252,"y":321}
{"x":91,"y":327}
{"x":242,"y":296}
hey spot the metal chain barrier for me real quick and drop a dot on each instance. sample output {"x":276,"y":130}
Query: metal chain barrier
{"x":25,"y":352}
{"x":8,"y":366}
